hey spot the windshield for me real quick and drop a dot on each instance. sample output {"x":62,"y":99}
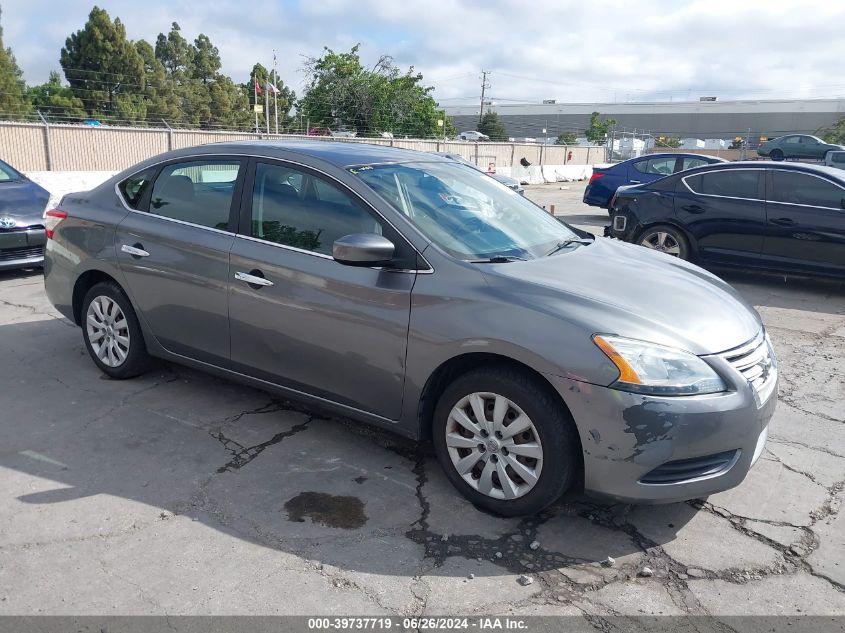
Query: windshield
{"x":464,"y":212}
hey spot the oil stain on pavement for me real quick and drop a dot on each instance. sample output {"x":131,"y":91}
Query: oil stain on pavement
{"x":325,"y":509}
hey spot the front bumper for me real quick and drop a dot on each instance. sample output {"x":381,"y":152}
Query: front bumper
{"x":627,"y":438}
{"x":22,"y":248}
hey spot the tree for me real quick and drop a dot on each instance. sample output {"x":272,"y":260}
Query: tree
{"x":597,"y":132}
{"x":835,"y":133}
{"x":567,"y":138}
{"x":56,"y":101}
{"x":173,"y":51}
{"x":286,"y":98}
{"x":341,"y":93}
{"x":102,"y":66}
{"x":493,"y":127}
{"x":159,"y":89}
{"x":671,"y":142}
{"x":13,"y":100}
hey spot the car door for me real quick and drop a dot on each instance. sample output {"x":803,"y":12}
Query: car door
{"x":301,"y":319}
{"x":805,"y":222}
{"x":725,"y":211}
{"x":173,"y":249}
{"x":792,"y":147}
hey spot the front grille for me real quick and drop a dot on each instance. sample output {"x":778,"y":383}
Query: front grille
{"x":756,"y":362}
{"x":25,"y":252}
{"x":682,"y":470}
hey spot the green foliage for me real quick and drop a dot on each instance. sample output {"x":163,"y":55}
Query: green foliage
{"x":342,"y":94}
{"x":567,"y":138}
{"x":835,"y":133}
{"x":671,"y":142}
{"x":102,"y":66}
{"x":493,"y":127}
{"x":13,"y":99}
{"x":55,"y":100}
{"x":597,"y":132}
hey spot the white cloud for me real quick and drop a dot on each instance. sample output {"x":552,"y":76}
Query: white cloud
{"x":572,"y":51}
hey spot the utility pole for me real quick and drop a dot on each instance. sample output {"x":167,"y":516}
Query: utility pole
{"x":484,"y":86}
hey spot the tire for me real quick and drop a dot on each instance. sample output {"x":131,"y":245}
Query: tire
{"x":776,"y":154}
{"x":551,"y":436}
{"x":124,"y":355}
{"x":666,"y":239}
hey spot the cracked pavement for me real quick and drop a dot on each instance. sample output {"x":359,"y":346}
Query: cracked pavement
{"x":179,"y":493}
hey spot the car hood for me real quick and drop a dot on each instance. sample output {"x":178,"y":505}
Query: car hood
{"x":613,"y":287}
{"x":23,"y":201}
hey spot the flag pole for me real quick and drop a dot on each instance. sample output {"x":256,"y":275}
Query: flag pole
{"x":275,"y":92}
{"x":267,"y":107}
{"x":255,"y":100}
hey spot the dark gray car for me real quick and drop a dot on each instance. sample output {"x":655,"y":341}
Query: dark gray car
{"x":418,"y":295}
{"x":22,"y":206}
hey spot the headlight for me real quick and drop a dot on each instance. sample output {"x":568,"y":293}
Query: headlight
{"x":658,"y":370}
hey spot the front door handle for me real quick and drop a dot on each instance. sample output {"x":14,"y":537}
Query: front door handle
{"x":254,"y":280}
{"x":135,"y":251}
{"x":693,"y":208}
{"x":634,"y":182}
{"x":783,"y":221}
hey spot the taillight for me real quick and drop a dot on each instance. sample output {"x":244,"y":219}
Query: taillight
{"x":51,"y":221}
{"x":596,"y":175}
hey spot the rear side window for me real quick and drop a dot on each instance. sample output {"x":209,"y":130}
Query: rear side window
{"x":199,"y":192}
{"x":793,"y":187}
{"x":132,"y":189}
{"x":731,"y":183}
{"x":661,"y":166}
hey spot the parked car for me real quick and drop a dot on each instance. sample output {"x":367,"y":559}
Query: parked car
{"x":785,"y":217}
{"x":22,"y":206}
{"x":797,"y":146}
{"x":507,"y":181}
{"x":835,"y":159}
{"x":606,"y":180}
{"x":473,"y":135}
{"x":415,"y":294}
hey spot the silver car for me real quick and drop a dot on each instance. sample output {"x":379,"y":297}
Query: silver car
{"x":418,"y":295}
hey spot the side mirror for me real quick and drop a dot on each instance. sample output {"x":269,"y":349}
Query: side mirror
{"x":363,"y":249}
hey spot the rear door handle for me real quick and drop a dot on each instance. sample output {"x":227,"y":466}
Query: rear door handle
{"x":693,"y":208}
{"x":783,"y":221}
{"x":253,"y":280}
{"x":135,"y":251}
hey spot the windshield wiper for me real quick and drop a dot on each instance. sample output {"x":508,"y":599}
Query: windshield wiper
{"x":561,"y":245}
{"x":498,"y":259}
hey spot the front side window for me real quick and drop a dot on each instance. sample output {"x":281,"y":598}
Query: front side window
{"x":199,"y":192}
{"x":793,"y":187}
{"x":295,"y":208}
{"x":132,"y":189}
{"x":731,"y":183}
{"x":689,"y":163}
{"x":792,"y":140}
{"x":465,"y":212}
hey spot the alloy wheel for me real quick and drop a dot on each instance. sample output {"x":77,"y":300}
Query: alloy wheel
{"x":108,"y":331}
{"x":663,"y":242}
{"x":494,"y":446}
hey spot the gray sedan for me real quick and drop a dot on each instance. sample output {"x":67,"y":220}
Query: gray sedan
{"x":405,"y":291}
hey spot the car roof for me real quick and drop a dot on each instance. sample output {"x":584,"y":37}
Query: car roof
{"x":771,"y":164}
{"x":338,"y":153}
{"x":676,"y":155}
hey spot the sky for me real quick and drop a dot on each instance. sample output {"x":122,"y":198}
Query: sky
{"x":578,"y":52}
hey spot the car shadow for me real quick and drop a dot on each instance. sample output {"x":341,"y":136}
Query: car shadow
{"x":787,"y":291}
{"x":176,"y":442}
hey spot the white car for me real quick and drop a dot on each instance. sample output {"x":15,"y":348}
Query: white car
{"x":473,"y":135}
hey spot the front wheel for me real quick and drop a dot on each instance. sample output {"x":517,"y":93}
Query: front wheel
{"x":112,"y":333}
{"x":666,"y":239}
{"x":505,"y":442}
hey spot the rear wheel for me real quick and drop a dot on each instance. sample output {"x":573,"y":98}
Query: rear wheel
{"x":505,"y":442}
{"x":776,"y":154}
{"x":112,"y":333}
{"x":666,"y":239}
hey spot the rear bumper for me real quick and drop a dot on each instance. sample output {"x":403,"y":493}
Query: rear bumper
{"x":597,"y":197}
{"x":627,"y":438}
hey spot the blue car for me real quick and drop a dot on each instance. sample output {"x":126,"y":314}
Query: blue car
{"x":606,"y":180}
{"x":22,"y":234}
